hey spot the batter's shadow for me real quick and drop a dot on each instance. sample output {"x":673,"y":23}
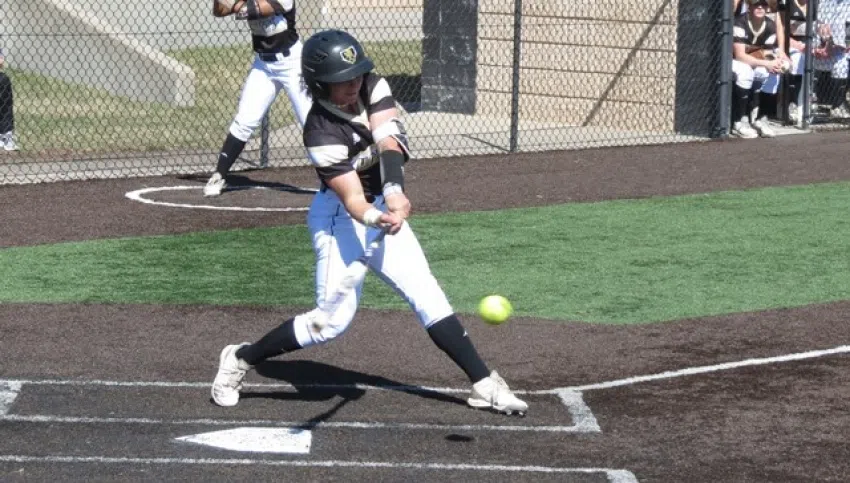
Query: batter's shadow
{"x":316,"y":381}
{"x":238,"y":182}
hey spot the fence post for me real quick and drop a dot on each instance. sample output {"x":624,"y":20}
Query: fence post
{"x":265,"y":129}
{"x":725,"y":84}
{"x":811,"y":12}
{"x":515,"y":75}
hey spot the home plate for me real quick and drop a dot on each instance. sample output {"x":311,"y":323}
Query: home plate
{"x":256,"y":440}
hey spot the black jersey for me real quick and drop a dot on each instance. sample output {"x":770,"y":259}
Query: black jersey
{"x":270,"y":35}
{"x":339,"y":142}
{"x":763,"y":38}
{"x":796,"y":12}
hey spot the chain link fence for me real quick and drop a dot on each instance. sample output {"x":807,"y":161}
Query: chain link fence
{"x":122,"y":89}
{"x":830,"y":64}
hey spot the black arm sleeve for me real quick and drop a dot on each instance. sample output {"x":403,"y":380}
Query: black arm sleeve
{"x":392,"y":168}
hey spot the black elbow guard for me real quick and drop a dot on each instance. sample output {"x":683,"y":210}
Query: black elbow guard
{"x":392,"y":168}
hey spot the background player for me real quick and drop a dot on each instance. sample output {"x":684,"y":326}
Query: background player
{"x":755,"y":62}
{"x":277,"y":64}
{"x":358,"y":147}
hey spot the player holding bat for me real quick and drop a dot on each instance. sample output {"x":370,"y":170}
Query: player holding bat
{"x":358,"y":146}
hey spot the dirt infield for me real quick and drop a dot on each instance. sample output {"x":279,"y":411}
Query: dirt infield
{"x":781,"y":417}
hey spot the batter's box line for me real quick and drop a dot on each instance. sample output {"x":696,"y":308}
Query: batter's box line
{"x":580,"y":414}
{"x":571,"y":397}
{"x":613,"y":475}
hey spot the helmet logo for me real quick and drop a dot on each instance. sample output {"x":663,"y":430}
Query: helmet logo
{"x":349,"y":55}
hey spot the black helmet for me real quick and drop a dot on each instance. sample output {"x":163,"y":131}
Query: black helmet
{"x":332,"y":56}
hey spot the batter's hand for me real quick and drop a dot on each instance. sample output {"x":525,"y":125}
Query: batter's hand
{"x":391,"y":222}
{"x":399,"y":204}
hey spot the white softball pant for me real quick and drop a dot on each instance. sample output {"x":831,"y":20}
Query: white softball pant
{"x":798,"y":67}
{"x":746,"y":76}
{"x":400,"y":262}
{"x":261,"y":88}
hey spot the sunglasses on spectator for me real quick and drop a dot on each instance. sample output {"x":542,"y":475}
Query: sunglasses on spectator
{"x":760,"y":5}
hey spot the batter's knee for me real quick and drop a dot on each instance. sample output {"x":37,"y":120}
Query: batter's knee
{"x":307,"y":335}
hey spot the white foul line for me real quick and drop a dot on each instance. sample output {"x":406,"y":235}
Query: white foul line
{"x":714,"y":368}
{"x":620,"y":476}
{"x":137,"y":195}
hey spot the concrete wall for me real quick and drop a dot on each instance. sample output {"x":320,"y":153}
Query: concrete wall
{"x":58,"y":39}
{"x":584,"y":62}
{"x":119,"y":46}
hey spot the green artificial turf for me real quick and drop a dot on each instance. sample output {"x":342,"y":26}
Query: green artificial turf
{"x":617,"y":262}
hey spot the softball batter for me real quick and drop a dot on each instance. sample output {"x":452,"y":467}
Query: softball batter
{"x":277,"y":64}
{"x":358,"y":147}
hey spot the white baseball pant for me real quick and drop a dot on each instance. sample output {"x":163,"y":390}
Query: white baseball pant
{"x":261,"y":88}
{"x":400,"y":262}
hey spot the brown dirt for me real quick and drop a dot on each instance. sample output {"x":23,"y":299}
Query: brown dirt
{"x":784,"y":421}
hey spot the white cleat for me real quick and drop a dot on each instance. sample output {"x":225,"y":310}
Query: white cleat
{"x":763,"y":128}
{"x":8,"y":142}
{"x":493,"y":393}
{"x":231,"y":372}
{"x":743,"y":130}
{"x":795,"y":114}
{"x":215,"y":185}
{"x":840,"y":112}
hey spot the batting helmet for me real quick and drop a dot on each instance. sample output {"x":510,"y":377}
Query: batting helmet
{"x":332,"y":56}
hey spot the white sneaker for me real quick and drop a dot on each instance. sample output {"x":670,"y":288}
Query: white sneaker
{"x":9,"y":143}
{"x":743,"y":130}
{"x":794,"y":113}
{"x":840,"y":112}
{"x":493,"y":393}
{"x":215,"y":185}
{"x":228,"y":381}
{"x":763,"y":128}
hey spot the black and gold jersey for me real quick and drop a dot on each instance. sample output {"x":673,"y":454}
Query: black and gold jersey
{"x":339,"y":142}
{"x":763,"y":37}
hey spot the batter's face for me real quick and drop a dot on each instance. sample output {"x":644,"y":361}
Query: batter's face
{"x":344,"y":94}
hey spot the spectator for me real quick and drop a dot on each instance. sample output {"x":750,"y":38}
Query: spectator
{"x":7,"y":112}
{"x":755,"y":62}
{"x":831,"y":57}
{"x":793,"y":13}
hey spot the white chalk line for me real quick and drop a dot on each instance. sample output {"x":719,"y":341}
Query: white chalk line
{"x":582,"y":418}
{"x":282,"y":385}
{"x":38,"y":418}
{"x":570,"y":397}
{"x":622,"y":475}
{"x":713,"y":368}
{"x":138,"y":195}
{"x":450,"y":390}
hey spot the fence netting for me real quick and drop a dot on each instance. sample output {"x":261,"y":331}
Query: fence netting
{"x":129,"y":89}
